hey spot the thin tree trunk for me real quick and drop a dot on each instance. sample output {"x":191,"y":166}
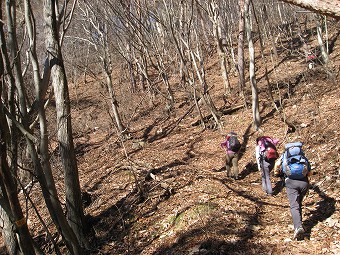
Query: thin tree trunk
{"x":220,"y":39}
{"x":252,"y":76}
{"x":203,"y":23}
{"x":9,"y":188}
{"x":114,"y":103}
{"x":200,"y":72}
{"x":272,"y":40}
{"x":8,"y":234}
{"x":322,"y":47}
{"x":196,"y":101}
{"x":264,"y":60}
{"x":107,"y":65}
{"x":6,"y":216}
{"x":75,"y":214}
{"x":129,"y":50}
{"x":240,"y":52}
{"x":25,"y":239}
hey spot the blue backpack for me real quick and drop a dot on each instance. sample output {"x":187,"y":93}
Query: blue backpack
{"x":294,"y":163}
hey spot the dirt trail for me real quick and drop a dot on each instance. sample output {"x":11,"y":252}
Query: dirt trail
{"x":191,"y":207}
{"x":182,"y":202}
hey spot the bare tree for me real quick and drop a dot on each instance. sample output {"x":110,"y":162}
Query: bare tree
{"x":326,"y":7}
{"x":11,"y":211}
{"x":220,"y":40}
{"x":53,"y":41}
{"x":10,"y":192}
{"x":6,"y":215}
{"x":97,"y":28}
{"x":324,"y":53}
{"x":15,"y":105}
{"x":240,"y":51}
{"x":262,"y":27}
{"x":252,"y":76}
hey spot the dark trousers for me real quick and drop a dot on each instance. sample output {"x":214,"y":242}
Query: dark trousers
{"x":266,"y":167}
{"x":296,"y":190}
{"x":232,"y":162}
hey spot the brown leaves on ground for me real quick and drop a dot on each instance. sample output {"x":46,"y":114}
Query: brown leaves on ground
{"x":171,"y":194}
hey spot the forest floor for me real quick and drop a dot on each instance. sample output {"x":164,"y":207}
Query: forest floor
{"x":165,"y":191}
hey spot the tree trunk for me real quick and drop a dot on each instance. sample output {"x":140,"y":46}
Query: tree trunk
{"x":200,"y":72}
{"x":324,"y":53}
{"x":6,"y":216}
{"x":220,"y":40}
{"x":25,"y":239}
{"x":240,"y":52}
{"x":8,"y":234}
{"x":8,"y":183}
{"x":114,"y":103}
{"x":75,"y":214}
{"x":252,"y":76}
{"x":264,"y":60}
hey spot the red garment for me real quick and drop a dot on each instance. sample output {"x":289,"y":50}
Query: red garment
{"x":261,"y":141}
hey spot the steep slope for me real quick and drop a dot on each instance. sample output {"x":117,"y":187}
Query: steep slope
{"x":165,"y":191}
{"x":168,"y":194}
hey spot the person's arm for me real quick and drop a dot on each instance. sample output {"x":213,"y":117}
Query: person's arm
{"x":278,"y":166}
{"x":309,"y":168}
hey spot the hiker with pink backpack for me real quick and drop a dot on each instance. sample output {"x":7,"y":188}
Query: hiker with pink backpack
{"x":266,"y":154}
{"x":232,"y":147}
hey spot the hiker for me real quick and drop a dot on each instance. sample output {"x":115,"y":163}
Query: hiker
{"x":266,"y":154}
{"x":295,"y":168}
{"x":311,"y":58}
{"x":232,"y":147}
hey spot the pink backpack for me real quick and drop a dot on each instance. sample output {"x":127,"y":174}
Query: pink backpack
{"x":268,"y":147}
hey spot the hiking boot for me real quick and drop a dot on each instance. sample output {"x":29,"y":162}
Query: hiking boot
{"x":298,"y":233}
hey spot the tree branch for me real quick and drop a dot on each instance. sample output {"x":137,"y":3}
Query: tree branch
{"x":329,"y":8}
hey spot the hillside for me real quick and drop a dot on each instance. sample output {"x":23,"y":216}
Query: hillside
{"x":164,"y":190}
{"x":169,"y":194}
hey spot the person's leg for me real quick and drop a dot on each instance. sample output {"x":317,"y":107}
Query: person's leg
{"x":235,"y":165}
{"x":227,"y":164}
{"x":266,"y":184}
{"x":296,"y":190}
{"x":293,"y":194}
{"x":263,"y":176}
{"x":303,"y":189}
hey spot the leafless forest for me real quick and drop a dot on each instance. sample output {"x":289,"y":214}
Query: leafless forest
{"x":112,"y":113}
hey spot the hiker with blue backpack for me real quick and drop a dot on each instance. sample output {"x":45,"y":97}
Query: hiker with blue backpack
{"x":232,"y":147}
{"x":295,"y":168}
{"x":266,"y":154}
